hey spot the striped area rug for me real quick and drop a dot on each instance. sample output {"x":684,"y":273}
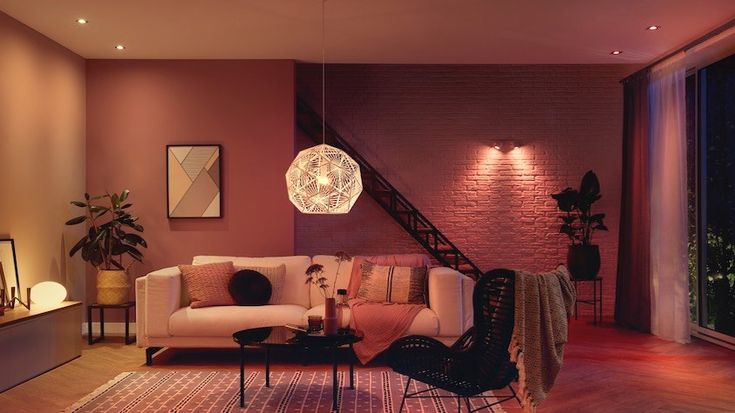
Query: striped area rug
{"x":376,"y":391}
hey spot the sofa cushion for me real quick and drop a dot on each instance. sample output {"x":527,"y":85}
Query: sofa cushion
{"x":249,"y":287}
{"x":426,"y":322}
{"x":207,"y":283}
{"x":226,"y":320}
{"x":295,"y":290}
{"x":390,"y":284}
{"x":277,"y":278}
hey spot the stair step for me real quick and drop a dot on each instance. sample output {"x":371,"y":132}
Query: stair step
{"x":426,"y":230}
{"x":409,"y":212}
{"x":446,"y":250}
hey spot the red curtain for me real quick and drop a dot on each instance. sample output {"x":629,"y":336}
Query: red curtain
{"x":633,"y":294}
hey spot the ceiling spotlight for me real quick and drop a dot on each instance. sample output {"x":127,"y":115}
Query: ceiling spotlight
{"x":82,"y":21}
{"x":616,"y":52}
{"x":653,"y":27}
{"x":120,"y":47}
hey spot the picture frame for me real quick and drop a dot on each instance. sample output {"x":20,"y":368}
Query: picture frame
{"x":9,"y":268}
{"x":194,"y":181}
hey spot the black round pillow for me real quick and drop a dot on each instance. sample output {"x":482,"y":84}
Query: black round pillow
{"x":249,"y":287}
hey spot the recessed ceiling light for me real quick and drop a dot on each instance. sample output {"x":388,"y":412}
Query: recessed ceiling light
{"x":616,"y":52}
{"x":653,"y":27}
{"x":82,"y":21}
{"x":120,"y":47}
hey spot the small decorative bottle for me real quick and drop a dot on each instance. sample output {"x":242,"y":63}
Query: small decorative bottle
{"x":341,"y":305}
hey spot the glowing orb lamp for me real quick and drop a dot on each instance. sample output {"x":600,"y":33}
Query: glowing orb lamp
{"x":48,"y":293}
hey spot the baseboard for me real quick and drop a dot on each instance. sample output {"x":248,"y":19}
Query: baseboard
{"x":111,"y":329}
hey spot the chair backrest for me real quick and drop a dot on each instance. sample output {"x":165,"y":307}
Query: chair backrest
{"x":494,"y":303}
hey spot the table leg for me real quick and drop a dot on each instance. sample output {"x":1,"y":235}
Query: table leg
{"x":576,"y":310}
{"x":89,"y":325}
{"x":127,"y":325}
{"x":242,"y":376}
{"x":334,"y":378}
{"x":600,"y":301}
{"x":594,"y":301}
{"x":102,"y":323}
{"x":267,"y":366}
{"x":352,"y":368}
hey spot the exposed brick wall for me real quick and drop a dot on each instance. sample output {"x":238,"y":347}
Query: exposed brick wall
{"x":429,"y":130}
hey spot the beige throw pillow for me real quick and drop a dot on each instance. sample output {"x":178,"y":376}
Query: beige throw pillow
{"x":404,"y":285}
{"x":207,"y":283}
{"x":277,"y":277}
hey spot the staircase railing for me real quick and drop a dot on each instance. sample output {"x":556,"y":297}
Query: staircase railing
{"x":387,"y":196}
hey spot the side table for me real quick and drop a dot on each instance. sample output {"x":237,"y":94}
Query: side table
{"x":126,"y":306}
{"x":594,"y":301}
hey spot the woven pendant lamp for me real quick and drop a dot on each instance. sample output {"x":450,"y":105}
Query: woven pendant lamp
{"x":323,"y":179}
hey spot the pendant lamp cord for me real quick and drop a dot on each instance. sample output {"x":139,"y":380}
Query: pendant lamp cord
{"x":324,"y":114}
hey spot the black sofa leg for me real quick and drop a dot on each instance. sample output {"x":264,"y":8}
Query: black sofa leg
{"x":149,"y":352}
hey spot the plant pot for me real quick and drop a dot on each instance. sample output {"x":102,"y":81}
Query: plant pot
{"x":113,"y":287}
{"x":330,"y":316}
{"x":583,"y":261}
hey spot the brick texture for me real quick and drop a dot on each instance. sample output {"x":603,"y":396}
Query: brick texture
{"x":430,"y":129}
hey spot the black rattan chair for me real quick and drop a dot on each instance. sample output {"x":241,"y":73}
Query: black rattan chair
{"x":478,"y":362}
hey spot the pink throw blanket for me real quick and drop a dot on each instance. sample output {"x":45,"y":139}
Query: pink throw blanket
{"x":380,"y":323}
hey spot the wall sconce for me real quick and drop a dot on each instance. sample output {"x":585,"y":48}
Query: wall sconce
{"x":505,"y":146}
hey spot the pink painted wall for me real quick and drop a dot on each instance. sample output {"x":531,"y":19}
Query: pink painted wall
{"x":136,"y":107}
{"x":429,"y":130}
{"x":42,"y":140}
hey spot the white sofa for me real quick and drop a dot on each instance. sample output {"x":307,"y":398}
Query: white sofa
{"x":164,"y":318}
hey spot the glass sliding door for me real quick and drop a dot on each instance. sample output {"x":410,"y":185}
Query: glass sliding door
{"x":712,"y":196}
{"x":692,"y":220}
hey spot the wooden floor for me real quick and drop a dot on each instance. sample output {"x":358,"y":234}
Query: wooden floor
{"x":606,"y":369}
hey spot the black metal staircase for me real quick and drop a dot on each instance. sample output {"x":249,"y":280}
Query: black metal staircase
{"x":388,"y":197}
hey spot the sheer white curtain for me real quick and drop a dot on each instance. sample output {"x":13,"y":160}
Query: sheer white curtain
{"x":668,"y":186}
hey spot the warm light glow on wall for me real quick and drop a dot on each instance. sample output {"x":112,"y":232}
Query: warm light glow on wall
{"x":48,"y":293}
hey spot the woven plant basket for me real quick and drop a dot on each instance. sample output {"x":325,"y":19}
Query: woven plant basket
{"x":113,"y":287}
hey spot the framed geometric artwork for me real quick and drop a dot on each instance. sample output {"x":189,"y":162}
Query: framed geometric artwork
{"x":8,"y":268}
{"x":193,"y":181}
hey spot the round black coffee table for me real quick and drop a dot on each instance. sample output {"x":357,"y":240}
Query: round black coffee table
{"x":279,"y":336}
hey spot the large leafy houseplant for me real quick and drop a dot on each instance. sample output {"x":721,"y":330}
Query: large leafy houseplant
{"x":112,"y":232}
{"x":579,"y":224}
{"x":112,"y":235}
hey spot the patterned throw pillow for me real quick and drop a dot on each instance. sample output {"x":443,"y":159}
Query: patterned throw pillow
{"x":404,"y":285}
{"x":277,"y":277}
{"x":207,"y":283}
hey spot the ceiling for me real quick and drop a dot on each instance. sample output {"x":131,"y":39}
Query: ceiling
{"x":375,"y":31}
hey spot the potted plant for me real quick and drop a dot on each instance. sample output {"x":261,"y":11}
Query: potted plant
{"x":579,"y":224}
{"x":112,"y":236}
{"x":315,"y":276}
